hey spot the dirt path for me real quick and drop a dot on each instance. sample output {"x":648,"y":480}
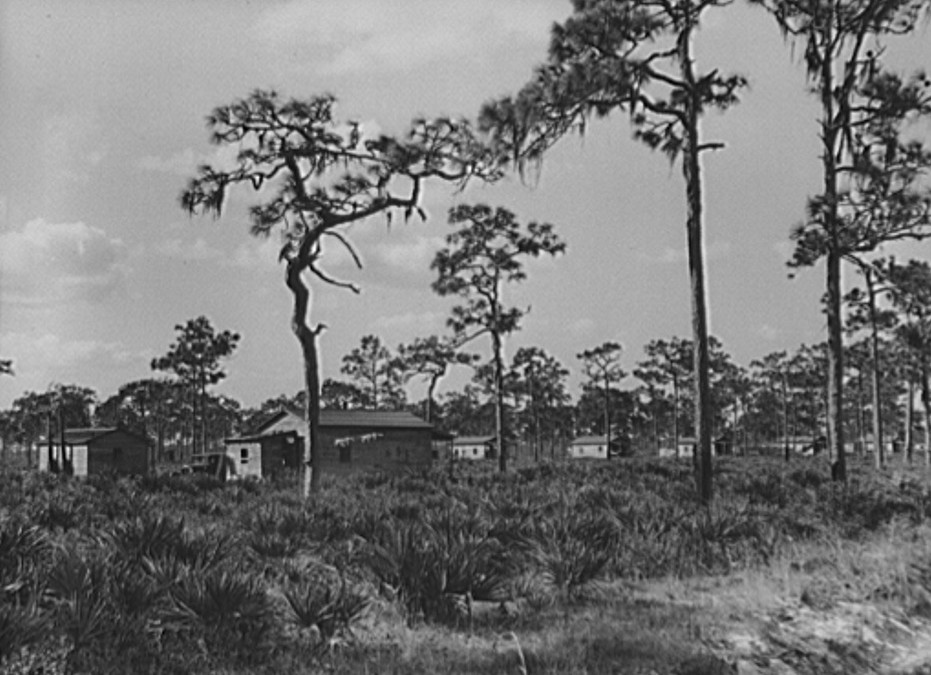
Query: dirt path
{"x":846,"y":638}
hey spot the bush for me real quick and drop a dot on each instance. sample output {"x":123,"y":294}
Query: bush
{"x":438,"y":568}
{"x":328,"y":603}
{"x":229,"y":611}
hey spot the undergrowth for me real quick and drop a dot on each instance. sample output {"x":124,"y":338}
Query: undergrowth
{"x":186,"y":575}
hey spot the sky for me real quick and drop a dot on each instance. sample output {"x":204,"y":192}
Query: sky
{"x":102,"y":109}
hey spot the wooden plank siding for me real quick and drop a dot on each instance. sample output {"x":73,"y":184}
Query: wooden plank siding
{"x":98,"y":451}
{"x":350,"y":448}
{"x":117,"y":452}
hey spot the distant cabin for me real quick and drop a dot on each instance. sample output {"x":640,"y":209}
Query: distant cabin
{"x":723,"y":445}
{"x":593,"y":447}
{"x":350,"y":440}
{"x":442,"y":444}
{"x":95,"y":451}
{"x":686,"y":447}
{"x":474,"y":447}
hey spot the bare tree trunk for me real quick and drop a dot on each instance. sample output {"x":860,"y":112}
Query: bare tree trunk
{"x":861,"y":423}
{"x":785,"y":415}
{"x":48,"y":436}
{"x":607,"y":412}
{"x":829,"y":135}
{"x":926,"y":403}
{"x":499,"y":401}
{"x":63,"y":463}
{"x":879,"y":451}
{"x":691,"y":169}
{"x":430,"y":389}
{"x":655,"y":419}
{"x":203,"y":411}
{"x":675,"y":412}
{"x":307,"y":337}
{"x":910,"y":421}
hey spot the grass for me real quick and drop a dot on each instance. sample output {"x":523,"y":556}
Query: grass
{"x":563,"y":568}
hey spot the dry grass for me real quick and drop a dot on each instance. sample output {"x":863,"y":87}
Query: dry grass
{"x":669,"y":625}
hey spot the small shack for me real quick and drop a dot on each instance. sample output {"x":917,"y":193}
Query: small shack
{"x":95,"y":451}
{"x":474,"y":447}
{"x":593,"y":447}
{"x":264,"y":456}
{"x":722,"y":445}
{"x":442,"y":444}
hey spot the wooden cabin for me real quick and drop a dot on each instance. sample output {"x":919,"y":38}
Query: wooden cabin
{"x":94,"y":451}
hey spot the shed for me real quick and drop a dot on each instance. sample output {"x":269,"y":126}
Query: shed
{"x":593,"y":447}
{"x":264,"y":456}
{"x":96,"y":450}
{"x":386,"y":440}
{"x":723,"y":445}
{"x":442,"y":444}
{"x":474,"y":447}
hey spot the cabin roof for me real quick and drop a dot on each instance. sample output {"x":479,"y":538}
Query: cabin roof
{"x":374,"y":419}
{"x":473,"y":440}
{"x":588,"y":440}
{"x":84,"y":435}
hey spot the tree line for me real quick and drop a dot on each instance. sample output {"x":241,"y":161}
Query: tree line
{"x":778,"y":403}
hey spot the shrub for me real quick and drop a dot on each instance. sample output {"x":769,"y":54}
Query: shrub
{"x":437,"y":568}
{"x":19,"y":627}
{"x":573,"y":546}
{"x":228,"y":610}
{"x":25,"y":554}
{"x":326,"y":602}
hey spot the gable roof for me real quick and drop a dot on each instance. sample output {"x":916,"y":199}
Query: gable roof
{"x":371,"y":419}
{"x":473,"y":440}
{"x":590,"y":440}
{"x":85,"y":435}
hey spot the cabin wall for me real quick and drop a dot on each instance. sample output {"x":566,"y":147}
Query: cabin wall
{"x":119,"y":453}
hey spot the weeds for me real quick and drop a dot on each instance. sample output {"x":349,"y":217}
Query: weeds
{"x":186,"y":573}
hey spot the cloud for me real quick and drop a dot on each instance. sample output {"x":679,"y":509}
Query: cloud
{"x":411,"y":320}
{"x":185,"y":162}
{"x":409,"y":255}
{"x":768,"y":332}
{"x":179,"y":249}
{"x":43,"y":358}
{"x":784,"y":249}
{"x":670,"y":255}
{"x":181,"y":163}
{"x":398,"y":258}
{"x":50,"y":352}
{"x":95,"y":157}
{"x":256,"y":254}
{"x":581,"y":327}
{"x":49,"y":263}
{"x":64,"y":160}
{"x":348,"y":36}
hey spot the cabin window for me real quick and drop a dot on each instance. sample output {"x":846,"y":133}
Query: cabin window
{"x":475,"y":452}
{"x":244,"y":455}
